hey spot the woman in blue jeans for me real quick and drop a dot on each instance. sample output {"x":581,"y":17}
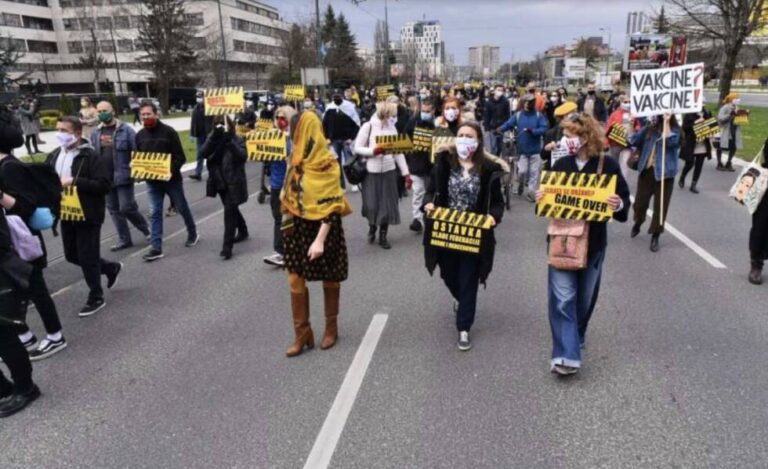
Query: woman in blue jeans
{"x":573,"y":293}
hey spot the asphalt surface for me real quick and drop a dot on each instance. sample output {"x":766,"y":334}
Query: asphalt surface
{"x":185,"y":367}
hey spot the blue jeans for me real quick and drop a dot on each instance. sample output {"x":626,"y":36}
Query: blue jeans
{"x":200,"y":141}
{"x":572,"y":298}
{"x":343,"y":153}
{"x":156,"y":192}
{"x":497,"y":143}
{"x":122,"y":207}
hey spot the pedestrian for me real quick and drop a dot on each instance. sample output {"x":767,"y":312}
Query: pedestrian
{"x":114,"y":141}
{"x":694,"y":152}
{"x":283,"y":117}
{"x":199,"y":127}
{"x":368,"y":109}
{"x":313,"y":236}
{"x":341,"y":123}
{"x":225,"y":155}
{"x":758,"y":234}
{"x":621,"y":117}
{"x":553,"y":137}
{"x":530,"y":125}
{"x":495,"y":113}
{"x":465,"y":179}
{"x":29,"y":117}
{"x":514,"y":101}
{"x":593,"y":105}
{"x":419,"y":162}
{"x":730,"y":133}
{"x":380,"y":187}
{"x":553,"y":103}
{"x":89,"y":117}
{"x":573,"y":294}
{"x":18,"y":198}
{"x":451,"y":118}
{"x":133,"y":104}
{"x":269,"y":111}
{"x":79,"y":166}
{"x":158,"y":137}
{"x":541,"y":101}
{"x":648,"y":143}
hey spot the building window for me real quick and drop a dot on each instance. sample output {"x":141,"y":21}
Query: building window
{"x":45,"y":47}
{"x":107,"y":46}
{"x":239,"y":46}
{"x":122,"y":22}
{"x":88,"y":46}
{"x":70,"y":24}
{"x":75,"y":47}
{"x":86,"y":24}
{"x":256,"y":28}
{"x":104,"y":22}
{"x":124,"y":45}
{"x":254,"y":9}
{"x":198,"y":43}
{"x":39,"y":3}
{"x":194,"y":19}
{"x":18,"y":45}
{"x":33,"y":22}
{"x":7,"y":19}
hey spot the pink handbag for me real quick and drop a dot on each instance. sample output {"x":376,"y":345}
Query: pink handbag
{"x":568,"y":244}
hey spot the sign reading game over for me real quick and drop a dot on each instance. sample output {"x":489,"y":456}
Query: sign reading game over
{"x":576,"y":196}
{"x":676,"y":90}
{"x":457,"y":231}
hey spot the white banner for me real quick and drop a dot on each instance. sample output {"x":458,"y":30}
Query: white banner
{"x":575,"y":69}
{"x":677,"y":90}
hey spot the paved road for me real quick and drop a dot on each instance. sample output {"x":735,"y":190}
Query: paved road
{"x":185,"y":368}
{"x":747,"y":99}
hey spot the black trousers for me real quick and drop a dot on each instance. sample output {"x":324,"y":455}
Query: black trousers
{"x":14,"y":354}
{"x":731,"y":151}
{"x":39,"y":295}
{"x":647,"y":187}
{"x":696,"y":163}
{"x":33,"y":139}
{"x":82,"y":247}
{"x":461,"y":274}
{"x":758,"y":235}
{"x":277,"y":218}
{"x":233,"y":222}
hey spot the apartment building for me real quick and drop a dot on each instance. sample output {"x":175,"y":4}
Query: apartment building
{"x":484,"y":60}
{"x":425,"y":39}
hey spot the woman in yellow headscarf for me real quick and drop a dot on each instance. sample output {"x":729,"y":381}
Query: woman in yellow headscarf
{"x":313,"y":203}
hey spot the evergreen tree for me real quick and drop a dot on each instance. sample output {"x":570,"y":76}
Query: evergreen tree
{"x":328,"y":26}
{"x":662,"y":22}
{"x":342,"y":56}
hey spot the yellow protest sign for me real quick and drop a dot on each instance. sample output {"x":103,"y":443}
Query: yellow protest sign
{"x":264,"y":124}
{"x":242,"y":130}
{"x":439,"y":142}
{"x":456,"y":230}
{"x":384,"y":91}
{"x":266,"y":145}
{"x":220,"y":101}
{"x":741,"y":118}
{"x":422,"y":139}
{"x":151,"y":166}
{"x":618,"y":135}
{"x":705,"y":129}
{"x":576,"y":196}
{"x":393,"y":144}
{"x":71,"y":209}
{"x":294,"y":93}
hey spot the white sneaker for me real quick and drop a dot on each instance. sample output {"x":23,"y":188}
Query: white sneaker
{"x":275,"y":260}
{"x":355,"y":189}
{"x":464,"y":343}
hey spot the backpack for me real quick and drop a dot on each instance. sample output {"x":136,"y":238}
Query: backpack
{"x":26,"y":245}
{"x":45,"y":190}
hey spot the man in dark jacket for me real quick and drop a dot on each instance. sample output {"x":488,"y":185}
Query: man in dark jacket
{"x":114,"y":140}
{"x":340,"y":125}
{"x":419,"y":162}
{"x":199,"y":128}
{"x":495,"y":113}
{"x":160,"y":138}
{"x":593,"y":105}
{"x":79,"y":167}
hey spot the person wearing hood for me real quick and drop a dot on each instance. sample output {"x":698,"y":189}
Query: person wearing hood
{"x":79,"y":166}
{"x":730,"y":133}
{"x":341,"y":123}
{"x":199,"y":128}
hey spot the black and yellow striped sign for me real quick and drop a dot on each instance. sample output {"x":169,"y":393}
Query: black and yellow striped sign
{"x":455,"y":230}
{"x":393,"y":144}
{"x":741,"y":118}
{"x":705,"y":129}
{"x":439,"y":142}
{"x":265,"y":124}
{"x":384,"y":91}
{"x":422,"y":139}
{"x":618,"y":135}
{"x":151,"y":166}
{"x":293,"y":93}
{"x":220,"y":101}
{"x":576,"y":196}
{"x":71,"y":209}
{"x":266,"y":145}
{"x":242,"y":130}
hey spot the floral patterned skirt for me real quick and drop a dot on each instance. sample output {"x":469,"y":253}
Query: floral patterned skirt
{"x":332,"y":266}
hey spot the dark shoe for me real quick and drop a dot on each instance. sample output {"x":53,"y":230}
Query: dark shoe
{"x":371,"y":234}
{"x":756,"y":273}
{"x":30,"y":344}
{"x":120,"y":246}
{"x":171,"y":212}
{"x":114,"y":276}
{"x":416,"y":226}
{"x":464,"y":343}
{"x":655,"y":243}
{"x":241,"y":236}
{"x":18,"y":402}
{"x":47,"y":348}
{"x":383,"y":239}
{"x":226,"y":254}
{"x":196,"y":177}
{"x":635,"y":230}
{"x":91,"y":307}
{"x":153,"y":255}
{"x":720,"y":167}
{"x":192,"y":240}
{"x":681,"y":183}
{"x":693,"y":188}
{"x":729,"y":168}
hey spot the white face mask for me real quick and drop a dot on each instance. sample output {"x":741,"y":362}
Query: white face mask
{"x":199,"y":100}
{"x":451,"y":114}
{"x":737,"y":101}
{"x":270,"y":107}
{"x":465,"y":147}
{"x":249,"y":103}
{"x":498,"y":94}
{"x":626,"y":106}
{"x":554,"y":99}
{"x":572,"y":144}
{"x":65,"y":139}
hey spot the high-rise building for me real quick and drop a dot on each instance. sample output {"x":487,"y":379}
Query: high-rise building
{"x":637,"y":22}
{"x":424,"y":40}
{"x":484,"y":60}
{"x":55,"y":36}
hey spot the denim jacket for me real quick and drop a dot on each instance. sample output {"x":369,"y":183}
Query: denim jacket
{"x":123,"y":143}
{"x":645,"y":146}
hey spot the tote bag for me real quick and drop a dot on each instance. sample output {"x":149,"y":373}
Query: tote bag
{"x":750,"y":187}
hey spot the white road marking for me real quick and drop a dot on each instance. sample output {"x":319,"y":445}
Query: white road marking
{"x":328,"y":438}
{"x":711,"y":260}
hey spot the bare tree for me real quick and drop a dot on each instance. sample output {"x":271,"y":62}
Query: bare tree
{"x":212,"y":58}
{"x":10,"y":56}
{"x":93,"y":60}
{"x":726,"y":22}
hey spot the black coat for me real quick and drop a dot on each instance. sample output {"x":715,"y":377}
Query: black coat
{"x":489,"y":202}
{"x":200,"y":124}
{"x":226,"y":157}
{"x":339,"y":126}
{"x":600,"y":111}
{"x":419,"y":163}
{"x":689,"y":137}
{"x":92,"y":179}
{"x":495,"y":113}
{"x":163,"y":138}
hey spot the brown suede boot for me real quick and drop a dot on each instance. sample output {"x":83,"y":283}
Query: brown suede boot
{"x":331,"y":315}
{"x":304,"y":336}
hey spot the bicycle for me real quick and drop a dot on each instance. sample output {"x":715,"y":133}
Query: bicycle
{"x":509,"y":154}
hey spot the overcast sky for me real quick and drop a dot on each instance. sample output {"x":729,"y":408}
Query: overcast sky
{"x":519,"y":27}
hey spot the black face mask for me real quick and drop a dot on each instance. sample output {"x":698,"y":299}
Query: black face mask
{"x":337,"y":101}
{"x":591,"y":93}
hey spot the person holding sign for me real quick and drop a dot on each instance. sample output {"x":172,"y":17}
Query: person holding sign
{"x":380,"y":187}
{"x":418,"y":161}
{"x":621,"y":117}
{"x":467,"y":180}
{"x":651,"y":147}
{"x":730,"y":133}
{"x":225,"y":157}
{"x":80,"y":167}
{"x":693,"y":151}
{"x":283,"y":117}
{"x":573,"y":293}
{"x":200,"y":126}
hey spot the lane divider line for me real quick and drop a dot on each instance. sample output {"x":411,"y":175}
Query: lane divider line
{"x":330,"y":433}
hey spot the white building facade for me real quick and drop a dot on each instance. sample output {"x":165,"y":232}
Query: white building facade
{"x":484,"y":60}
{"x":425,"y":40}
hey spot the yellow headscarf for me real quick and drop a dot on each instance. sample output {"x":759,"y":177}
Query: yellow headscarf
{"x":312,"y":188}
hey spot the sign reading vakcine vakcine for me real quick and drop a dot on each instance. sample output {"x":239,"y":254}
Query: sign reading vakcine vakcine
{"x":667,"y":90}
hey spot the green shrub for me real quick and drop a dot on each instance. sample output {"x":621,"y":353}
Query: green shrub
{"x":112,"y":98}
{"x":50,"y":113}
{"x":65,"y":106}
